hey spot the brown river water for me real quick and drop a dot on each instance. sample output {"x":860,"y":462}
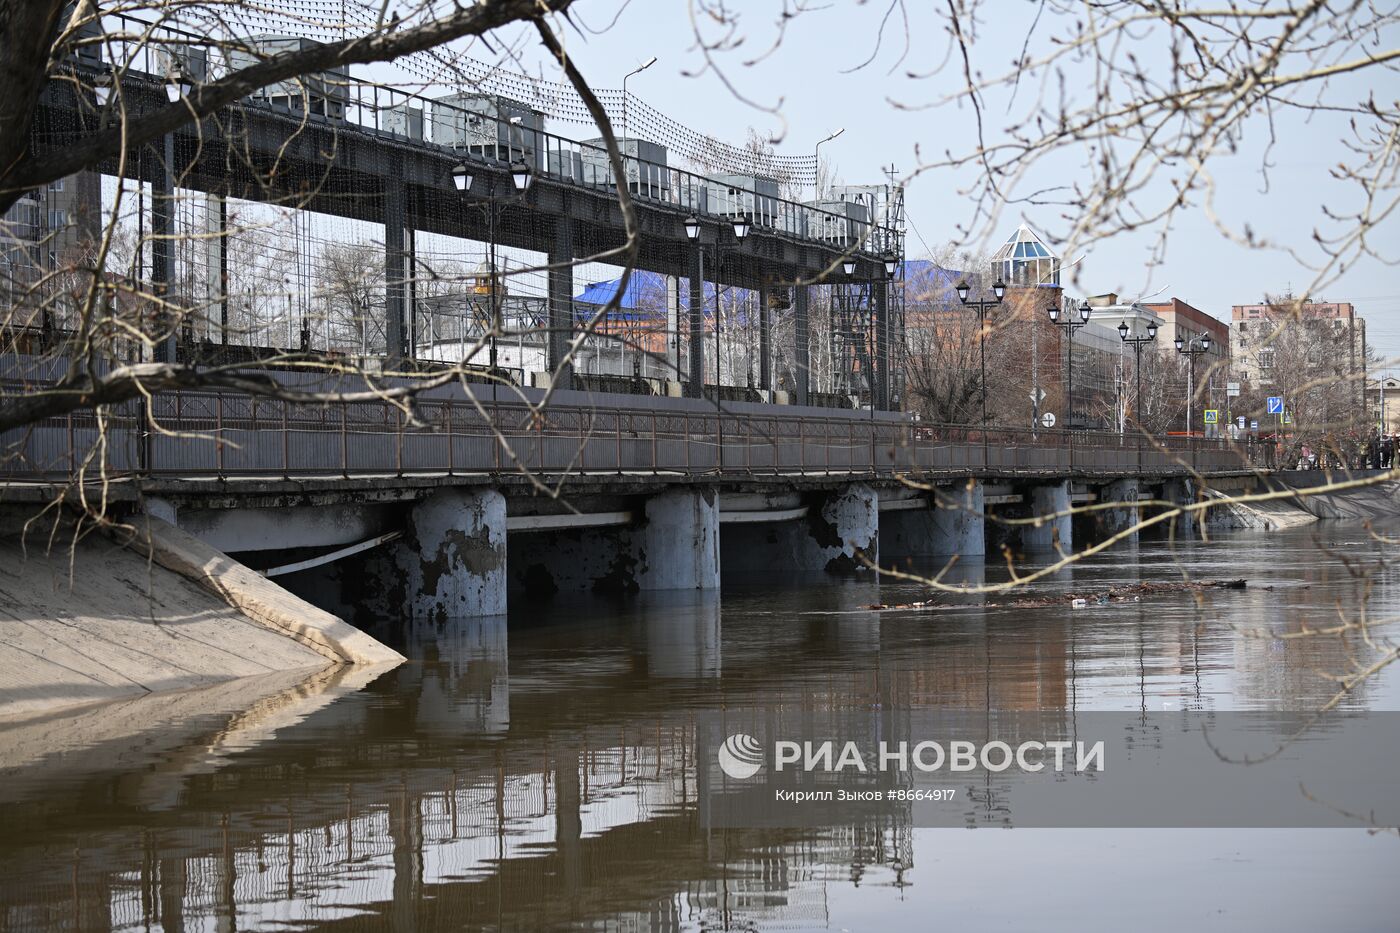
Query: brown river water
{"x":539,"y":772}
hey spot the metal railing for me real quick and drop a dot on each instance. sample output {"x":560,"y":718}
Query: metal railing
{"x":144,"y":52}
{"x":212,"y":434}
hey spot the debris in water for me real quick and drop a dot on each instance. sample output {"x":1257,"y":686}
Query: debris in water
{"x":1121,"y":594}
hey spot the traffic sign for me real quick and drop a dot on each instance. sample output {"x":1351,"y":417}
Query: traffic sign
{"x":1240,"y":421}
{"x":1232,"y":389}
{"x":1275,"y":404}
{"x":1253,"y":425}
{"x":1048,"y":419}
{"x":1287,"y":418}
{"x":1212,"y":415}
{"x":1037,"y":396}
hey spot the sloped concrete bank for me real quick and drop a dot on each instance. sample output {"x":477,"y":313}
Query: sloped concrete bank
{"x":1313,"y":500}
{"x":102,"y":620}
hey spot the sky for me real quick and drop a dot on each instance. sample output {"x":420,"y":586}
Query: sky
{"x":810,"y":77}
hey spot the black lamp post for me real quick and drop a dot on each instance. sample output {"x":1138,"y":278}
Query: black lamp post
{"x":1069,"y":325}
{"x":1186,"y":348}
{"x":1137,"y":344}
{"x":521,"y":176}
{"x":982,"y":307}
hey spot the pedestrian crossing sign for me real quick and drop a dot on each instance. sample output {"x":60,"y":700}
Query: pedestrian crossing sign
{"x":1212,"y":416}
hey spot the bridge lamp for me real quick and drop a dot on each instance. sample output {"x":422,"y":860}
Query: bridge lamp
{"x":891,"y":265}
{"x":963,"y":289}
{"x":741,"y":227}
{"x":102,"y":89}
{"x":1205,"y":341}
{"x":1152,"y":330}
{"x":692,"y":228}
{"x":1123,"y":333}
{"x":1179,"y":343}
{"x":520,"y":174}
{"x":848,"y":266}
{"x":462,"y":177}
{"x":1054,"y":312}
{"x":1084,"y":311}
{"x":999,"y":289}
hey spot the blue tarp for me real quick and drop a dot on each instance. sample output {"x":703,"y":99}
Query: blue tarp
{"x":647,"y":290}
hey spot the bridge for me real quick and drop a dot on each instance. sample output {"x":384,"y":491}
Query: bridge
{"x":472,"y":491}
{"x":482,"y":493}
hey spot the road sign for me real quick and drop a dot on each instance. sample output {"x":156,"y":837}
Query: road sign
{"x":1048,"y":419}
{"x":1212,"y":415}
{"x":1275,"y":404}
{"x":1254,"y":425}
{"x":1287,"y":418}
{"x":1037,"y":396}
{"x":1240,"y":421}
{"x":1232,"y":389}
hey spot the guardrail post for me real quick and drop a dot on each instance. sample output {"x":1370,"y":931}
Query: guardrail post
{"x":655,"y":467}
{"x":219,"y":433}
{"x":286,"y":442}
{"x":398,"y":442}
{"x":451,"y":454}
{"x":617,"y":424}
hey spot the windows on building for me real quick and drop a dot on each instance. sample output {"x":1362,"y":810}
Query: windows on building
{"x":1266,"y":359}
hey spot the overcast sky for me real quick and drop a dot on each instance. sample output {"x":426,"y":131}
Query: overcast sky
{"x":810,"y":73}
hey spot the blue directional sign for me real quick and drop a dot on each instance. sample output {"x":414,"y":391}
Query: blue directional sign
{"x":1275,"y":404}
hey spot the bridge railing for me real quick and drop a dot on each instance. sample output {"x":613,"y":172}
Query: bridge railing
{"x":224,"y":435}
{"x":147,"y":51}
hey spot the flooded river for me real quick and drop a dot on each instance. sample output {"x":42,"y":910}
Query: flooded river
{"x":540,"y":772}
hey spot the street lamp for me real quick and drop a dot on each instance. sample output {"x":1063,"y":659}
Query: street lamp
{"x":741,"y":227}
{"x":521,"y":175}
{"x":177,"y":84}
{"x":102,"y":88}
{"x":1137,"y":344}
{"x":848,"y":267}
{"x":692,"y":228}
{"x":1069,"y":326}
{"x":891,"y":262}
{"x":1185,"y":348}
{"x":982,"y":307}
{"x":817,"y":158}
{"x":462,"y":177}
{"x":636,"y":71}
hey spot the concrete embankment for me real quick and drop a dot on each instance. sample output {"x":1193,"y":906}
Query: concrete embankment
{"x":101,"y":620}
{"x":1308,"y":497}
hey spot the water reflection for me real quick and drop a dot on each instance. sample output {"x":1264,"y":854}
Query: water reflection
{"x":541,"y":773}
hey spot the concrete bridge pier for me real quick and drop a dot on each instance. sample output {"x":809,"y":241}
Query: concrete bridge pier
{"x":1121,"y":517}
{"x":453,"y":559}
{"x":1181,"y":492}
{"x":1052,"y":534}
{"x":954,"y":524}
{"x":679,"y":543}
{"x":846,"y":531}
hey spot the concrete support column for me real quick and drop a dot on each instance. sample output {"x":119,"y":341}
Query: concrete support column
{"x":880,"y":389}
{"x":453,"y":562}
{"x":680,"y":542}
{"x":959,"y":521}
{"x":765,"y":338}
{"x":695,"y":388}
{"x":802,"y":350}
{"x":1117,"y":519}
{"x":953,"y":525}
{"x":163,"y":245}
{"x":847,"y":529}
{"x":1054,"y":533}
{"x":561,"y":303}
{"x":1181,"y":492}
{"x":395,"y":215}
